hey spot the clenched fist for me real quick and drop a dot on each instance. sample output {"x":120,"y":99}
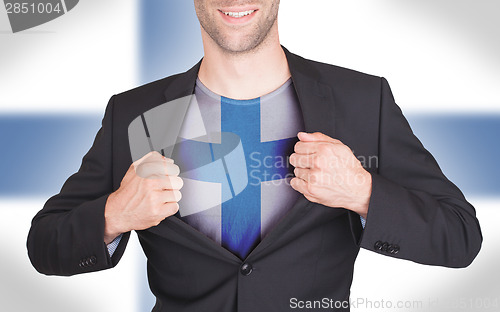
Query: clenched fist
{"x":327,"y":172}
{"x":148,"y":193}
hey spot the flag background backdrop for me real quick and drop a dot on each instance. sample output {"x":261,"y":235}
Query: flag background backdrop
{"x":440,"y":57}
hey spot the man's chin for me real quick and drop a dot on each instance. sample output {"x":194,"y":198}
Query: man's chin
{"x":240,"y":46}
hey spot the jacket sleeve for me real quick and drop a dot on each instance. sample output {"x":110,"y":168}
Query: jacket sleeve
{"x":67,"y":235}
{"x":415,"y":212}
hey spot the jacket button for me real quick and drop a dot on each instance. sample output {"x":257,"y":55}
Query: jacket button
{"x":93,"y":260}
{"x":395,"y":249}
{"x":384,"y":246}
{"x":378,"y":245}
{"x":390,"y":249}
{"x":246,"y":269}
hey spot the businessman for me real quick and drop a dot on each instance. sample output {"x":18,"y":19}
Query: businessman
{"x":291,"y":231}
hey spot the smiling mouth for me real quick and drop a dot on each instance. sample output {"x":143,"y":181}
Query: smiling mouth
{"x":239,"y":14}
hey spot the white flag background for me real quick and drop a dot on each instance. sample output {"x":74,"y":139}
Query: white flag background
{"x":440,"y":57}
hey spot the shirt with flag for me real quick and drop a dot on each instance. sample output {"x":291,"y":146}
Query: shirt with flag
{"x":235,"y":169}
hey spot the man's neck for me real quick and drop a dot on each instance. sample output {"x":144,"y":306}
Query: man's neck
{"x":244,"y":76}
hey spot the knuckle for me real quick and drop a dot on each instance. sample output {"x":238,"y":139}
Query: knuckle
{"x":297,"y":146}
{"x":300,"y":161}
{"x":177,"y":195}
{"x":315,"y":177}
{"x":317,"y":161}
{"x":143,"y":166}
{"x":142,"y":170}
{"x":132,"y":169}
{"x":176,"y":168}
{"x":157,"y":220}
{"x":346,"y":150}
{"x":154,"y":210}
{"x":180,"y":182}
{"x":321,"y":148}
{"x":172,"y":169}
{"x":321,"y":161}
{"x":175,"y":183}
{"x":155,"y":154}
{"x":158,"y":198}
{"x":148,"y":183}
{"x":338,"y":141}
{"x":167,"y":183}
{"x":311,"y":190}
{"x":172,"y":208}
{"x":324,"y":148}
{"x":311,"y":199}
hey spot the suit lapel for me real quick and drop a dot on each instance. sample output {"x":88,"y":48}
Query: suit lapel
{"x":318,"y":111}
{"x":315,"y":98}
{"x":183,"y":84}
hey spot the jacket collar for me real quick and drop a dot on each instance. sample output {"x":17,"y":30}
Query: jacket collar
{"x":315,"y":97}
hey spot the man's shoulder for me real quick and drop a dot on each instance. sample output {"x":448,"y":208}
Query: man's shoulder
{"x":128,"y":105}
{"x":153,"y":90}
{"x":331,"y":73}
{"x":131,"y":103}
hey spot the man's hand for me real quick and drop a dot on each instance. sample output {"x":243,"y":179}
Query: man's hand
{"x":148,"y":193}
{"x":327,"y":172}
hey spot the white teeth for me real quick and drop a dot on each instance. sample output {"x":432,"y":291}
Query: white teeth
{"x":239,"y":14}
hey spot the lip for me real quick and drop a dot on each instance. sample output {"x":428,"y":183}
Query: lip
{"x":237,"y":20}
{"x":240,"y":8}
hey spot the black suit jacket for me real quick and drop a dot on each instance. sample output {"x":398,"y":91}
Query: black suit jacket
{"x":415,"y":212}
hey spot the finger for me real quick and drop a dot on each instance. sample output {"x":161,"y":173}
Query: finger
{"x":132,"y":170}
{"x":157,"y":157}
{"x":315,"y":147}
{"x":311,"y":176}
{"x":303,"y":147}
{"x":302,"y":161}
{"x":316,"y":137}
{"x":172,"y":183}
{"x":171,"y":208}
{"x":168,"y":160}
{"x":171,"y":169}
{"x":147,"y":156}
{"x":309,"y":148}
{"x":170,"y":196}
{"x":301,"y":173}
{"x":157,"y":169}
{"x":301,"y":186}
{"x":164,"y":183}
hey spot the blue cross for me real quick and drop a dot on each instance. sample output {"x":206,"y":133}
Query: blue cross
{"x":264,"y":161}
